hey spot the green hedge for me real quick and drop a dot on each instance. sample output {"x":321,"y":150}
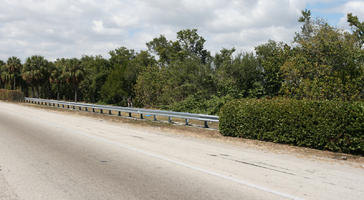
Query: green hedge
{"x":329,"y":125}
{"x":11,"y":95}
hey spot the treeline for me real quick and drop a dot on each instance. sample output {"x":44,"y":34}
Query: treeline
{"x":323,"y":63}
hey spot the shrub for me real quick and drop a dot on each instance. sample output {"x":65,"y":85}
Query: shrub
{"x":197,"y":104}
{"x":329,"y":125}
{"x":11,"y":95}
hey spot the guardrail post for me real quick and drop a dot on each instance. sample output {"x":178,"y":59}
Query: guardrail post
{"x":129,"y":114}
{"x":186,"y":120}
{"x":110,"y":112}
{"x":119,"y":113}
{"x":93,"y":109}
{"x":101,"y":111}
{"x":169,"y":119}
{"x":206,"y":125}
{"x":86,"y":109}
{"x":73,"y":107}
{"x":141,"y":116}
{"x":155,"y":117}
{"x":80,"y":108}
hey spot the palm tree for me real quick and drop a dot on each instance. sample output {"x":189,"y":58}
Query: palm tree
{"x":73,"y":73}
{"x":35,"y":72}
{"x":13,"y":66}
{"x":55,"y":77}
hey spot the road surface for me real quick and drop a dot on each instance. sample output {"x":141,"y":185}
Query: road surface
{"x":55,"y":155}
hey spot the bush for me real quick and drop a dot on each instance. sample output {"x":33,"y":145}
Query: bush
{"x":329,"y":125}
{"x":11,"y":95}
{"x":197,"y":104}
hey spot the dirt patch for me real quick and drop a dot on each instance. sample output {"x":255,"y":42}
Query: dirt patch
{"x":214,"y":134}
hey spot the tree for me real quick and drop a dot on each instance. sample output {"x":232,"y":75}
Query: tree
{"x":149,"y":86}
{"x":271,"y":56}
{"x":114,"y":89}
{"x":97,"y":70}
{"x":358,"y":28}
{"x":120,"y":82}
{"x":73,"y":73}
{"x":188,"y":45}
{"x":192,"y":45}
{"x":223,"y":58}
{"x":56,"y":78}
{"x":325,"y":65}
{"x":36,"y":72}
{"x":307,"y":27}
{"x":236,"y":75}
{"x":166,"y":51}
{"x":14,"y":66}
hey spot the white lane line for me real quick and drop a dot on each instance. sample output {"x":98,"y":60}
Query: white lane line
{"x":188,"y":166}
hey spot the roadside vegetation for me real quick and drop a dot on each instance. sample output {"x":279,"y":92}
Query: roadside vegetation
{"x":323,"y":62}
{"x":322,"y":70}
{"x":11,"y":95}
{"x":328,"y":125}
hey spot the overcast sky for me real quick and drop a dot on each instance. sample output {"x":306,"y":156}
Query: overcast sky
{"x":72,"y":28}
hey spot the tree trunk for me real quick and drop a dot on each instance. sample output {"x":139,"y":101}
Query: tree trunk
{"x":75,"y":95}
{"x":14,"y":86}
{"x":33,"y":91}
{"x":37,"y":89}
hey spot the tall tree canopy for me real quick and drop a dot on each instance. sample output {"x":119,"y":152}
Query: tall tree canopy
{"x":323,"y":62}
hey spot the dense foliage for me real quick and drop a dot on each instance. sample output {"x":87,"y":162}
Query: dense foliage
{"x":323,"y":63}
{"x":330,"y":125}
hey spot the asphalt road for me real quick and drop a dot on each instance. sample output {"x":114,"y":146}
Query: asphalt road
{"x":53,"y":155}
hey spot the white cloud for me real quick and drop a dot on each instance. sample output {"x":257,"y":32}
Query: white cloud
{"x":354,"y":7}
{"x":71,"y":28}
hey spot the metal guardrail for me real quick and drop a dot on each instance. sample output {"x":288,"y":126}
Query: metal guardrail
{"x":93,"y":107}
